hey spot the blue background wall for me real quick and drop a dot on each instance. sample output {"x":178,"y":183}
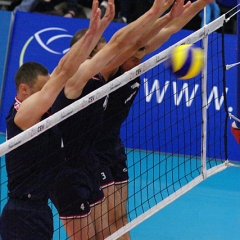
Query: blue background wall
{"x":5,"y":19}
{"x":45,"y":39}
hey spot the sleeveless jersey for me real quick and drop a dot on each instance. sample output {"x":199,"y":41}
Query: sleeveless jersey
{"x":109,"y":147}
{"x":80,"y":130}
{"x":32,"y":167}
{"x":119,"y":104}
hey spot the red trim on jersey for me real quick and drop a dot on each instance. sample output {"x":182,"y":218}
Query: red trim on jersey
{"x":98,"y":202}
{"x":108,"y":184}
{"x":99,"y":77}
{"x":17,"y":103}
{"x":96,"y":78}
{"x":76,"y":216}
{"x":121,"y":182}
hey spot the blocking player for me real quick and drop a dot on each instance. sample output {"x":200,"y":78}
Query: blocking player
{"x":33,"y":166}
{"x":111,"y":149}
{"x":79,"y":188}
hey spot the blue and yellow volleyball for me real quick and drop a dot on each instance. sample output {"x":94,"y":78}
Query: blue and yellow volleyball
{"x":186,"y":61}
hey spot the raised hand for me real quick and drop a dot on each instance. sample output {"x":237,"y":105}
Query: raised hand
{"x":160,"y":6}
{"x":178,"y":8}
{"x":168,"y":3}
{"x":95,"y":21}
{"x":109,"y":14}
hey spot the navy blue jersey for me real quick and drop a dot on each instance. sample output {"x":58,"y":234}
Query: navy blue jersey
{"x":32,"y":166}
{"x":79,"y":131}
{"x":119,"y":104}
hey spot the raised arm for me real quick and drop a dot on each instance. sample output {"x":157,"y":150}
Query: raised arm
{"x":133,"y":31}
{"x":176,"y":24}
{"x":116,"y":45}
{"x":32,"y":109}
{"x":176,"y":10}
{"x":104,"y":22}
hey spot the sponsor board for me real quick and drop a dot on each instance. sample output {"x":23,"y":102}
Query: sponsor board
{"x":5,"y":18}
{"x":45,"y":39}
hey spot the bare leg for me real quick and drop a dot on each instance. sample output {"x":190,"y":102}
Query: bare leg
{"x":112,"y":203}
{"x":117,"y":208}
{"x":122,"y":190}
{"x":100,"y":217}
{"x":80,"y":228}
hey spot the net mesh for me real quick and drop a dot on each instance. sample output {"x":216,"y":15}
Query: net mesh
{"x":165,"y":133}
{"x":173,"y":130}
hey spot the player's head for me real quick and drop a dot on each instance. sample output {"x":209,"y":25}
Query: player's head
{"x":134,"y":60}
{"x":101,"y":43}
{"x":30,"y":78}
{"x":79,"y":34}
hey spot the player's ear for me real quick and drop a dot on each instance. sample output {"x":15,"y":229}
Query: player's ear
{"x":24,"y":89}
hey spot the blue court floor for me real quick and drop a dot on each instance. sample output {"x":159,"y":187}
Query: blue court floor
{"x":210,"y":211}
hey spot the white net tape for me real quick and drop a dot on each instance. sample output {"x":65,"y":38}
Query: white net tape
{"x":105,"y":90}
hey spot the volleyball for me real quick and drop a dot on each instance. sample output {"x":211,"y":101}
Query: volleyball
{"x":186,"y":61}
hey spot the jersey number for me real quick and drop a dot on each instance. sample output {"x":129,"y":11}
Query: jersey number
{"x":82,"y":206}
{"x":103,"y":175}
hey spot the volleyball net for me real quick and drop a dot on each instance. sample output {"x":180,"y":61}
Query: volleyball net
{"x":175,"y":133}
{"x":177,"y":127}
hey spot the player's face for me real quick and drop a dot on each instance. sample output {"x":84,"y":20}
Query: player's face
{"x":41,"y":81}
{"x":130,"y":63}
{"x":100,"y":46}
{"x":133,"y":61}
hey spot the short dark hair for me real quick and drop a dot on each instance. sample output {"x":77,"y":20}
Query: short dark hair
{"x":29,"y":72}
{"x":79,"y":34}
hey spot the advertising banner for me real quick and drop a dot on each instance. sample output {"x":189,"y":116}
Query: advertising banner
{"x":39,"y":38}
{"x":5,"y":19}
{"x":45,"y":39}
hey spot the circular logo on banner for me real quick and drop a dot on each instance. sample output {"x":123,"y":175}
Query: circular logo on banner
{"x":47,"y":40}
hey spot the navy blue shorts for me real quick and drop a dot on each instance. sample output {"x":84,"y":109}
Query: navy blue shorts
{"x":115,"y":174}
{"x":75,"y":191}
{"x":26,"y":219}
{"x":114,"y":168}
